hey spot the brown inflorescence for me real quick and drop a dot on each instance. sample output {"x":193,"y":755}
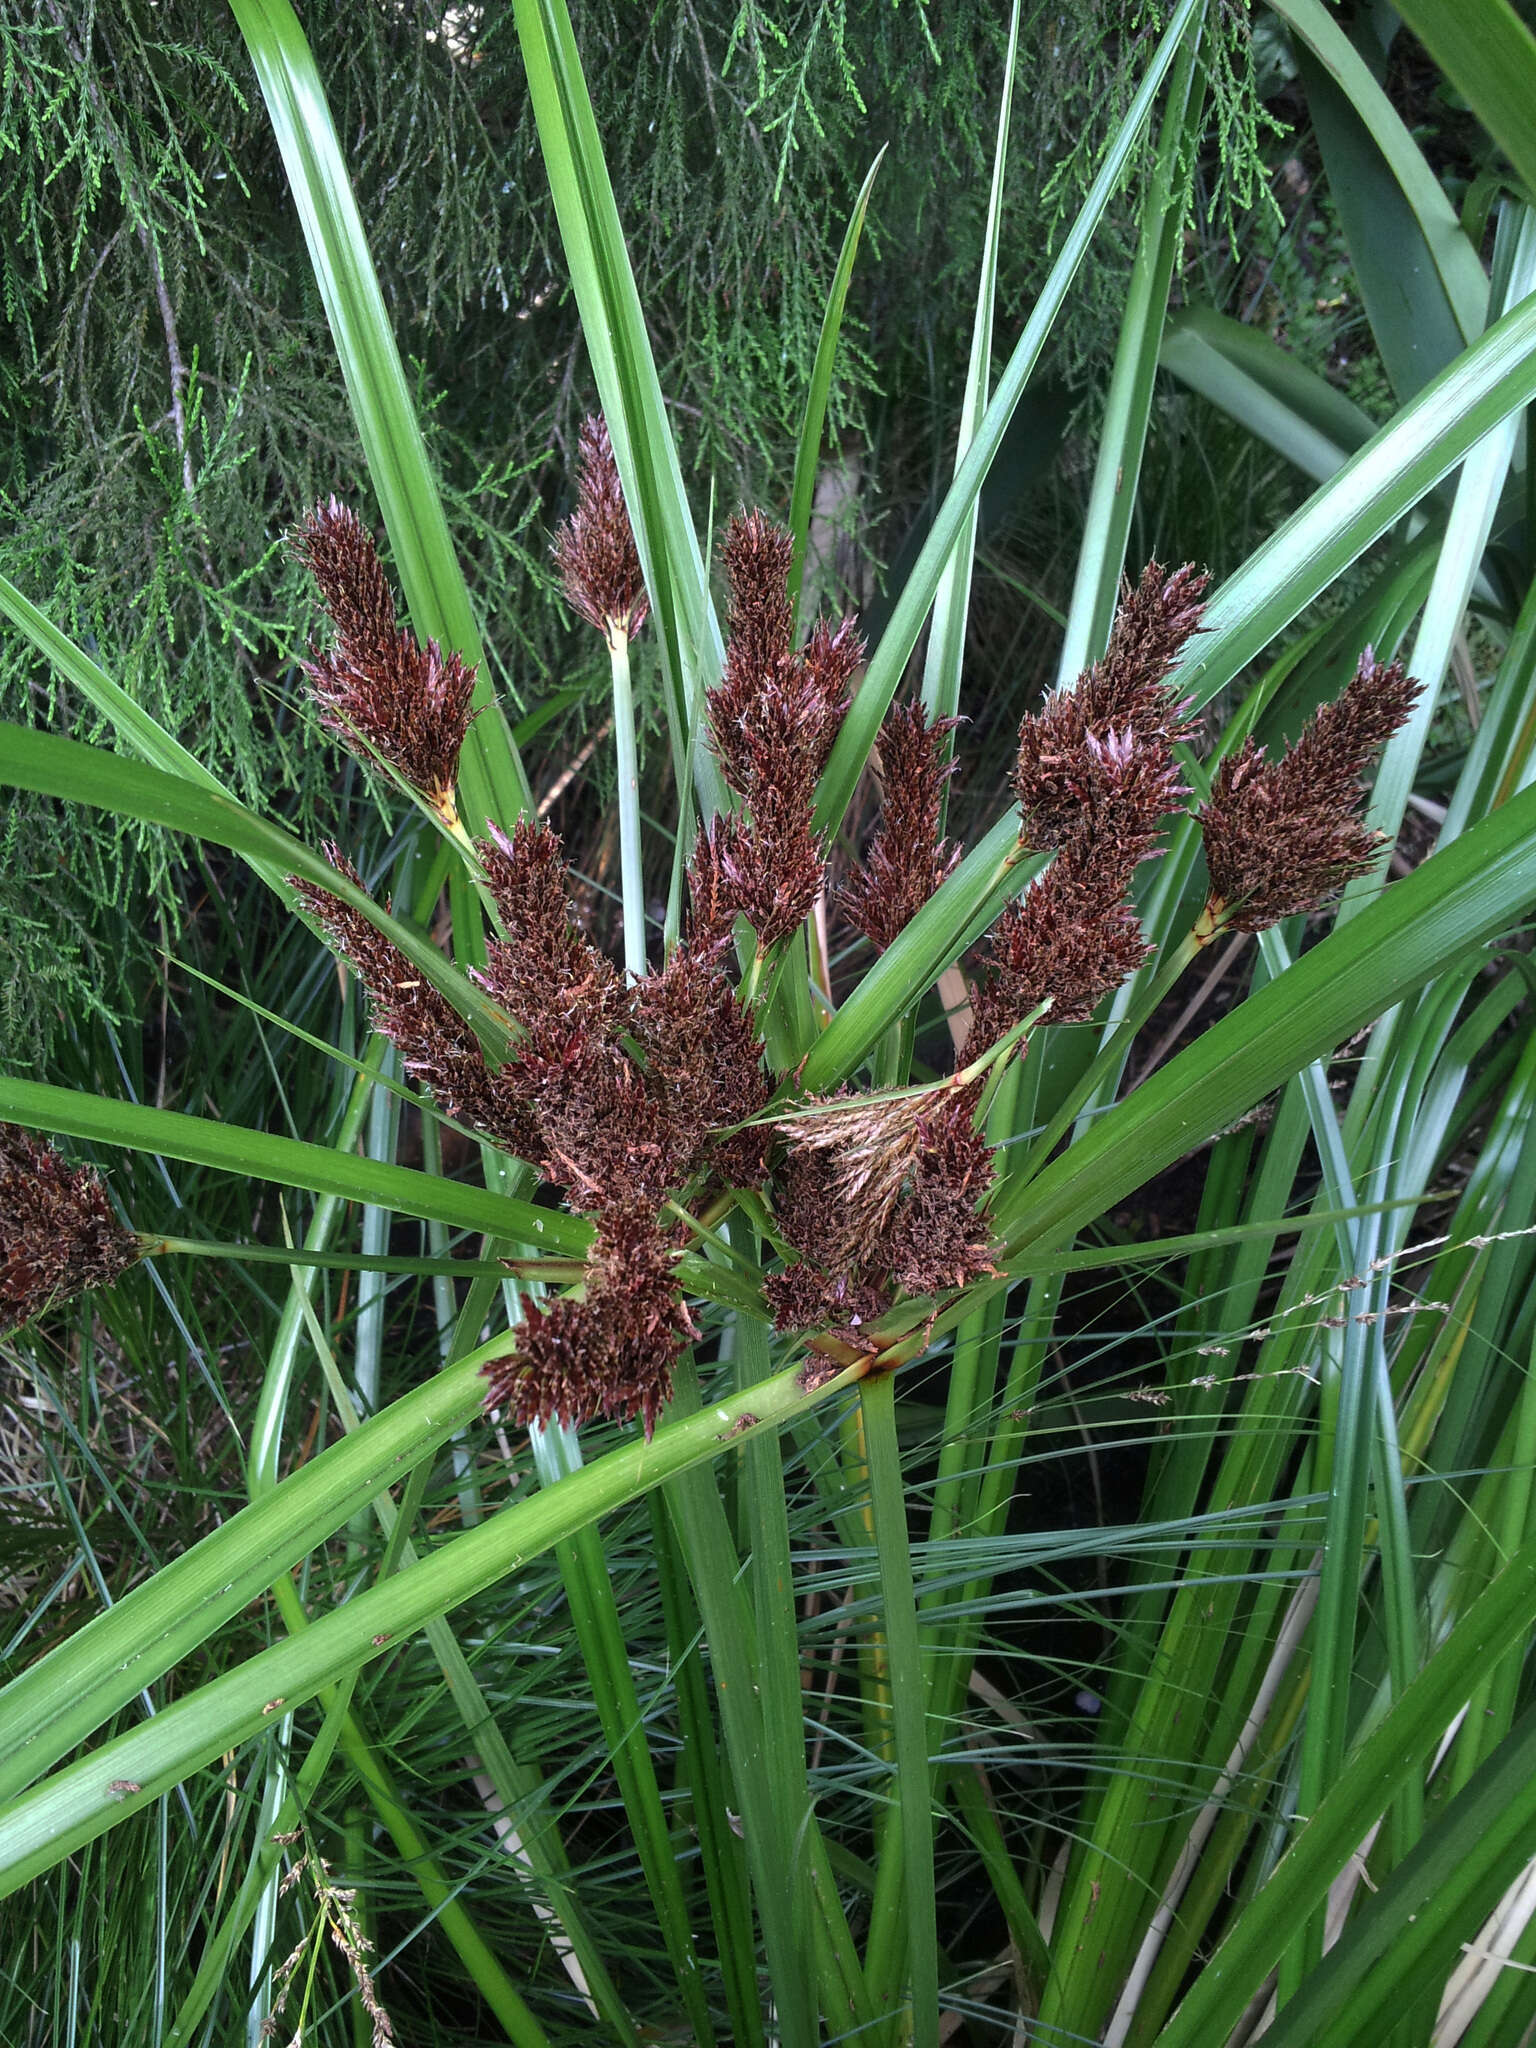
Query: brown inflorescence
{"x":1068,"y":940}
{"x":908,"y":857}
{"x":630,"y":1097}
{"x":437,"y":1048}
{"x":704,"y":1068}
{"x":1285,"y":836}
{"x":1095,"y":764}
{"x":541,"y":969}
{"x":773,"y":718}
{"x":610,"y":1352}
{"x":875,"y":1194}
{"x":386,"y":697}
{"x":623,"y":1096}
{"x":1096,"y":776}
{"x":58,"y":1235}
{"x":595,"y":549}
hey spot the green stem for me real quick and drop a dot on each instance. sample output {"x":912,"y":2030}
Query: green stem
{"x":631,"y":877}
{"x":901,"y":1944}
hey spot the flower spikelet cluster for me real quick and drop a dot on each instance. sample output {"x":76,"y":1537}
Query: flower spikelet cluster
{"x":623,"y":1096}
{"x":385,"y":696}
{"x":1096,"y":776}
{"x":773,"y":717}
{"x":1068,"y":940}
{"x":541,"y":970}
{"x":880,"y":1192}
{"x":1095,"y":764}
{"x":704,"y":1066}
{"x":908,"y":857}
{"x":437,"y":1048}
{"x":58,"y":1236}
{"x":610,"y":1352}
{"x":595,"y":549}
{"x":1285,"y":836}
{"x":338,"y":1914}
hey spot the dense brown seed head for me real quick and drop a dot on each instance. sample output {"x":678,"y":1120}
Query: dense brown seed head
{"x":714,"y":884}
{"x":610,"y":1353}
{"x":541,"y":969}
{"x":760,"y":621}
{"x":1157,"y":618}
{"x":1096,"y":763}
{"x":384,"y":696}
{"x":703,"y":1065}
{"x":880,"y":1191}
{"x":907,"y":859}
{"x":1283,"y":837}
{"x":939,"y":1236}
{"x":774,"y":713}
{"x":595,"y":549}
{"x":773,"y":718}
{"x":1070,"y":938}
{"x":437,"y":1047}
{"x":58,"y":1235}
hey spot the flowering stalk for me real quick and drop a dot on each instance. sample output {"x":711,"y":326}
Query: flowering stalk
{"x":600,"y":570}
{"x":631,"y":875}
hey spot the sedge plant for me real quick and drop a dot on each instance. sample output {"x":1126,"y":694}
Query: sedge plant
{"x":761,"y":1293}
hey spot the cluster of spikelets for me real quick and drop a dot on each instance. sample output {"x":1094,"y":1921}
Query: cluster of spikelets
{"x":647,"y":1101}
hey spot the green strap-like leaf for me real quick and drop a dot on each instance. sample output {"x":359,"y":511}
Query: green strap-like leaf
{"x":1489,"y":54}
{"x":629,"y":390}
{"x":87,"y":1798}
{"x":1500,"y":1618}
{"x":69,"y":769}
{"x":491,"y":778}
{"x":262,"y":1155}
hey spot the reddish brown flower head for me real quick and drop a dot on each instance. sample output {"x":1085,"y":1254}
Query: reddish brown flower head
{"x":602,"y":1134}
{"x":829,"y":661}
{"x":610,"y":1353}
{"x":595,"y":549}
{"x":879,"y":1193}
{"x":1095,"y":763}
{"x":58,"y":1235}
{"x":1156,"y":621}
{"x":542,"y":970}
{"x":384,"y":696}
{"x":773,"y":717}
{"x":1283,"y":837}
{"x":703,"y":1066}
{"x":760,"y":621}
{"x":781,"y":872}
{"x":720,"y":854}
{"x":907,"y":859}
{"x":805,"y":1296}
{"x":1071,"y":937}
{"x":774,"y":714}
{"x":437,"y":1048}
{"x":939,"y":1235}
